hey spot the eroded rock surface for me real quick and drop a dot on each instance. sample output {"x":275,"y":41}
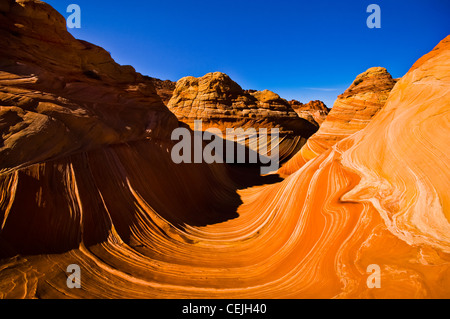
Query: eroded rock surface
{"x":352,"y":111}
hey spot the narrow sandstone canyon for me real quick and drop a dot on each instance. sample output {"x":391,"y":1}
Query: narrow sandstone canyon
{"x":87,"y":178}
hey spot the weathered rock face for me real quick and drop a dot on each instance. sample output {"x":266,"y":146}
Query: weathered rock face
{"x":217,"y":100}
{"x":164,"y":88}
{"x":378,"y":197}
{"x":141,"y":226}
{"x":59,"y":95}
{"x":221,"y":103}
{"x":352,"y":111}
{"x":313,"y":111}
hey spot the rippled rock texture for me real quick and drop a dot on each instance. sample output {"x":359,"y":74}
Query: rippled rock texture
{"x":313,"y":111}
{"x":140,"y":226}
{"x":352,"y":111}
{"x":59,"y":95}
{"x":219,"y":102}
{"x":216,"y":99}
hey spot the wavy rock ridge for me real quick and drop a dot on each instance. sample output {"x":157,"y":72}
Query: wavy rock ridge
{"x":352,"y":111}
{"x":140,"y":226}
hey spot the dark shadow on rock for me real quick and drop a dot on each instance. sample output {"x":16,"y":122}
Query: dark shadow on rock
{"x":125,"y":186}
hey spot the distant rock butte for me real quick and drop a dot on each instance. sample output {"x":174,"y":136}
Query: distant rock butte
{"x":315,"y":111}
{"x":216,"y":98}
{"x":221,"y":103}
{"x":59,"y":95}
{"x":352,"y":111}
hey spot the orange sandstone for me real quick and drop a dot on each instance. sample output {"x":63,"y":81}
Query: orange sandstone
{"x":352,"y":111}
{"x":140,"y":226}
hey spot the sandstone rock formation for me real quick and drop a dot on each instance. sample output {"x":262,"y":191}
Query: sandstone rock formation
{"x":140,"y":226}
{"x":164,"y":88}
{"x":219,"y":102}
{"x":59,"y":95}
{"x":352,"y":111}
{"x":313,"y":111}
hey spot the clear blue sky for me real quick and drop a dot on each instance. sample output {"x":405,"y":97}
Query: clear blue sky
{"x":302,"y":50}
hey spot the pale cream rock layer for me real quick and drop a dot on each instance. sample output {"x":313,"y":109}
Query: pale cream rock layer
{"x":352,"y":111}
